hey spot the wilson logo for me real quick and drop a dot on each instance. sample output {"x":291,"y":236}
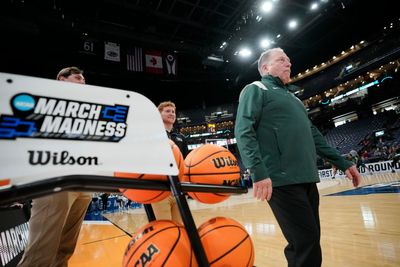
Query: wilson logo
{"x":56,"y":158}
{"x":224,"y":161}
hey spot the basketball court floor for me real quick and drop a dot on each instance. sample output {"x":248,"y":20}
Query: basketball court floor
{"x":360,"y":227}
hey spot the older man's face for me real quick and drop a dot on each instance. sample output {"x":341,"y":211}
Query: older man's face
{"x":279,"y":66}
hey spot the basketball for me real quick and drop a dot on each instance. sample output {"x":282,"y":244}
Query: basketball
{"x":151,"y":196}
{"x":178,"y":158}
{"x":160,"y":243}
{"x":226,"y":243}
{"x":211,"y":164}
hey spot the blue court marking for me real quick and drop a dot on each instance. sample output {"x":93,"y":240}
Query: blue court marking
{"x":380,"y":188}
{"x":94,"y":216}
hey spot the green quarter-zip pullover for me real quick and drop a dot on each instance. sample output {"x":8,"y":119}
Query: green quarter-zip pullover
{"x":275,"y":137}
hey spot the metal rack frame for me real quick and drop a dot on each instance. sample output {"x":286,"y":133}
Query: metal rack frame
{"x":94,"y":183}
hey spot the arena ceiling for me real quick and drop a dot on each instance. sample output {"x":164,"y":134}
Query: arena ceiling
{"x":41,"y":36}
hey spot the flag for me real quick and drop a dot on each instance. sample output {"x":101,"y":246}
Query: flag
{"x":170,"y":63}
{"x":111,"y":51}
{"x":134,"y":59}
{"x":154,"y":62}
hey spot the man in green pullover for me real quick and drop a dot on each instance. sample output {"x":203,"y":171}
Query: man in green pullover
{"x":279,"y":144}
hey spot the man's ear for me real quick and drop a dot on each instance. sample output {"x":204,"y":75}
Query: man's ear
{"x":264,"y":67}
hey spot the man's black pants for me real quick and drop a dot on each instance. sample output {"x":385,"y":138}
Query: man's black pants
{"x":296,"y":209}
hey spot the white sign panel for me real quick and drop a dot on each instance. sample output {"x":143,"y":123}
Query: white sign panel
{"x":51,"y":128}
{"x":369,"y":169}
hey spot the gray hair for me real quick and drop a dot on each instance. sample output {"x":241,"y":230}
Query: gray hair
{"x":264,"y":57}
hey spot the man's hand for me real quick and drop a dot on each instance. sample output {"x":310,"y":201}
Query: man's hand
{"x":353,"y":174}
{"x":262,"y":190}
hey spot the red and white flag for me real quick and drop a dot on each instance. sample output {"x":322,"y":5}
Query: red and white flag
{"x":154,"y":62}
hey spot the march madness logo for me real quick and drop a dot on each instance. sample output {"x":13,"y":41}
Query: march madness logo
{"x":56,"y":118}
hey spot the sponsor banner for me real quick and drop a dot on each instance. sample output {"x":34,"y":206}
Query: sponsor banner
{"x":14,"y":232}
{"x":371,"y":168}
{"x":111,"y":51}
{"x":50,"y":128}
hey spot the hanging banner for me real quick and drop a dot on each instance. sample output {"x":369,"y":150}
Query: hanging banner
{"x":111,"y":52}
{"x":154,"y":62}
{"x":170,"y":60}
{"x":134,"y":59}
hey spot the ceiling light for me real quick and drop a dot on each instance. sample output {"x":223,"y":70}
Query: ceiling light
{"x":278,"y":36}
{"x":244,"y":52}
{"x":292,"y":24}
{"x":223,"y":45}
{"x":265,"y":43}
{"x":267,"y":6}
{"x":314,"y":6}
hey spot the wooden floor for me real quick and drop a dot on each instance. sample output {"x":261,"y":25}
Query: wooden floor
{"x":357,"y":230}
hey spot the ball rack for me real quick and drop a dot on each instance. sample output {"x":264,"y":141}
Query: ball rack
{"x":94,"y":183}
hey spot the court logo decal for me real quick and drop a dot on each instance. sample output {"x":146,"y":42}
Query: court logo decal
{"x":55,"y":118}
{"x":380,"y":188}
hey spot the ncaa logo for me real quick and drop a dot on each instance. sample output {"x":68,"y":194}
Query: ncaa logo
{"x":23,"y":102}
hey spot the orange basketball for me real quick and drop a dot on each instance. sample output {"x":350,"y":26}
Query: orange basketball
{"x":226,"y":243}
{"x":211,"y":164}
{"x":160,"y":243}
{"x":151,"y":196}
